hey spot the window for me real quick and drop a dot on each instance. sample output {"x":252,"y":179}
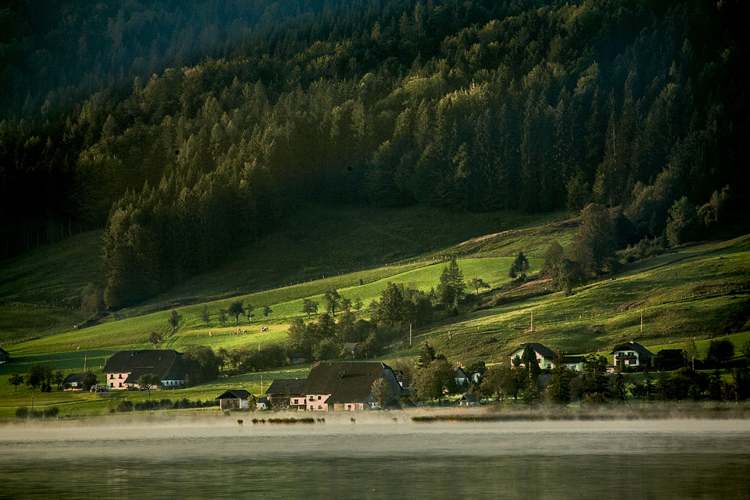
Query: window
{"x":296,"y":401}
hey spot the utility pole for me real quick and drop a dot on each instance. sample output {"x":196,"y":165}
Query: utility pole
{"x":409,"y":334}
{"x":641,"y":320}
{"x":532,"y":321}
{"x":261,"y":385}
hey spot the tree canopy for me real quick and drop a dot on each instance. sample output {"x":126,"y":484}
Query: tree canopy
{"x":186,"y":129}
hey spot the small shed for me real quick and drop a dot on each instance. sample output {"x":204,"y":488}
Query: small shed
{"x":235,"y":399}
{"x":4,"y":356}
{"x":263,"y":404}
{"x":468,"y":400}
{"x":74,"y":381}
{"x":297,"y":359}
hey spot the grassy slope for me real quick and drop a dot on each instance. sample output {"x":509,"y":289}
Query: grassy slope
{"x":689,"y":291}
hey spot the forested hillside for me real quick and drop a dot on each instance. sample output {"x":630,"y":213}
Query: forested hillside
{"x":186,"y":128}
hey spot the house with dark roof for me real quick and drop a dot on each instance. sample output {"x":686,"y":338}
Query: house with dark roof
{"x":234,"y":399}
{"x":74,"y":381}
{"x":347,"y":386}
{"x":462,"y":379}
{"x":124,"y":368}
{"x":4,"y":356}
{"x":544,"y":355}
{"x":574,"y":363}
{"x":287,"y":393}
{"x":631,"y":355}
{"x":468,"y":400}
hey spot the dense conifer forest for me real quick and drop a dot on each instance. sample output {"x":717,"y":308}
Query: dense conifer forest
{"x":186,"y":128}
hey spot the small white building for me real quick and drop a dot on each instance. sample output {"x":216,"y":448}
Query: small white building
{"x":235,"y":399}
{"x":631,"y":355}
{"x":544,"y":355}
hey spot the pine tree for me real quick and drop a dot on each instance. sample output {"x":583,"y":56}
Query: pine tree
{"x":451,"y":287}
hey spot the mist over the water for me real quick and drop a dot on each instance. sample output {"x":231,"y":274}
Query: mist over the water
{"x":377,"y":458}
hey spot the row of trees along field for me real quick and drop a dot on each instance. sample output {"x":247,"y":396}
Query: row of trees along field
{"x":476,"y":105}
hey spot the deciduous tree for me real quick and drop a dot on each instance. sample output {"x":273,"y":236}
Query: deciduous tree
{"x":15,"y":380}
{"x":381,"y":392}
{"x":594,"y":242}
{"x":235,"y":309}
{"x":206,"y":315}
{"x":154,"y":338}
{"x":720,"y":350}
{"x":174,"y":320}
{"x":267,"y":311}
{"x":309,"y":307}
{"x":332,"y":299}
{"x":148,"y":381}
{"x":478,"y":283}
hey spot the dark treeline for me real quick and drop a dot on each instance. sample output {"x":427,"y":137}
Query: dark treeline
{"x":480,"y":105}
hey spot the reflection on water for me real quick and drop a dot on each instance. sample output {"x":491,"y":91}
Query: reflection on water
{"x":541,"y":460}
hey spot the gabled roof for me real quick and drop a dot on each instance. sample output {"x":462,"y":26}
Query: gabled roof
{"x":540,"y":349}
{"x":633,"y":346}
{"x":469,"y":397}
{"x":165,"y":364}
{"x":573,"y":359}
{"x":460,"y":373}
{"x":286,"y":386}
{"x":235,"y":394}
{"x":74,"y":378}
{"x":345,"y":382}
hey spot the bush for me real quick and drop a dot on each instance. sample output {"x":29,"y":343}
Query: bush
{"x":51,"y":412}
{"x":124,"y":406}
{"x":22,"y":412}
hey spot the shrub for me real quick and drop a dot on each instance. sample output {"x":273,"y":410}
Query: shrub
{"x":51,"y":412}
{"x":124,"y":406}
{"x":22,"y":412}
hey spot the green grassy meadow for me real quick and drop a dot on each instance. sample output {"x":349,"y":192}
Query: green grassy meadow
{"x":690,"y":291}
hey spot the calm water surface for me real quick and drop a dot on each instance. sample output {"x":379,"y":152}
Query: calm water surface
{"x":380,"y":459}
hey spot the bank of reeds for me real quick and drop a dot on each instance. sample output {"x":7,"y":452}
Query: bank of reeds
{"x":717,"y":411}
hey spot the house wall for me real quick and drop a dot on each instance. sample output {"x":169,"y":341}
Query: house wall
{"x":350,"y":407}
{"x":317,"y":402}
{"x":169,"y":384}
{"x":578,"y":367}
{"x":632,"y":358}
{"x":543,"y":362}
{"x":298,"y":402}
{"x":117,"y":380}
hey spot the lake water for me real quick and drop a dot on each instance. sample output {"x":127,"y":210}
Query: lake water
{"x":379,"y":458}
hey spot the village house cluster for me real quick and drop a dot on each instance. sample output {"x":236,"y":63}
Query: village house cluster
{"x":330,"y":386}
